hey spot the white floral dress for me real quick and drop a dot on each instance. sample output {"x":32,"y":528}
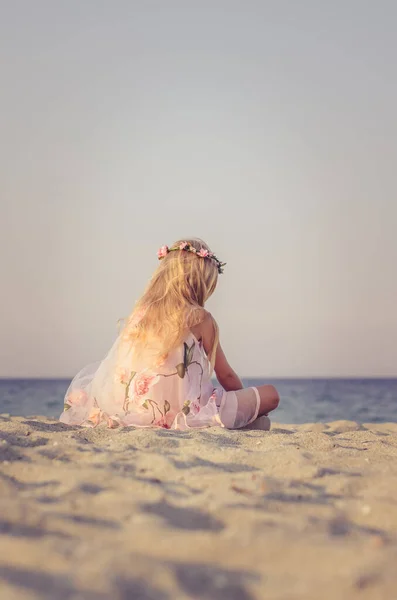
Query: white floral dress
{"x":124,"y":390}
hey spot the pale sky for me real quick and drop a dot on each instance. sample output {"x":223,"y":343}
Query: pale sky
{"x":268,"y":128}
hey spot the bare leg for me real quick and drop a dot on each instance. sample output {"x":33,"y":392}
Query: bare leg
{"x":269,"y":399}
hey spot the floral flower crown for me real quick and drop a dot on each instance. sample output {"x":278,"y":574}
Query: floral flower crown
{"x":202,"y":253}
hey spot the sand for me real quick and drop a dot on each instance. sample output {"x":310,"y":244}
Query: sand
{"x":300,"y":512}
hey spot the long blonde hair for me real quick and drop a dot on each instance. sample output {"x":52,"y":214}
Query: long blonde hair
{"x":173,"y":301}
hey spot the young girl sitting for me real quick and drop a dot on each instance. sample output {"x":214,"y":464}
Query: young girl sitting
{"x":158,"y":372}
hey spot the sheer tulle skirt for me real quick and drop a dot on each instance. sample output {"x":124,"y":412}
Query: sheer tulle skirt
{"x":123,"y":390}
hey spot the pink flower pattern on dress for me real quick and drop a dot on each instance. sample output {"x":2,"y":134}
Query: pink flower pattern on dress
{"x":95,"y":416}
{"x":141,"y":384}
{"x":122,"y":375}
{"x":162,"y":422}
{"x":160,"y":407}
{"x":195,"y":407}
{"x":77,"y":398}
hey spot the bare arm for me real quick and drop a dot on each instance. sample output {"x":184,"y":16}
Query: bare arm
{"x":226,"y":376}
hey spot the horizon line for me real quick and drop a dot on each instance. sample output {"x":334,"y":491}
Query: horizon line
{"x":275,"y":377}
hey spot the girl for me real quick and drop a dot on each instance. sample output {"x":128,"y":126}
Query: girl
{"x":158,"y":372}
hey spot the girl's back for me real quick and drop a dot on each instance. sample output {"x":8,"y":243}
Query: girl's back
{"x":158,"y":372}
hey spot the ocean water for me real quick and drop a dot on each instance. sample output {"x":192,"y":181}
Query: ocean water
{"x":302,"y":400}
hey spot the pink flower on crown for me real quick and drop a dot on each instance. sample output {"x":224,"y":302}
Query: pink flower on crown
{"x":163,"y":251}
{"x":203,"y":253}
{"x":183,"y":245}
{"x":141,"y":384}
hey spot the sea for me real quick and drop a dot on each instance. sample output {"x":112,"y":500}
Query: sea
{"x":301,"y":400}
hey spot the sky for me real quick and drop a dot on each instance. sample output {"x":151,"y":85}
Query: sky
{"x":267,"y":128}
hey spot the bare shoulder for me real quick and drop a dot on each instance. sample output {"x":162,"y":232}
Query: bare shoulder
{"x":204,"y":330}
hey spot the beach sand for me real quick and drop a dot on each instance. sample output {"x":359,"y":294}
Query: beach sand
{"x":300,"y":512}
